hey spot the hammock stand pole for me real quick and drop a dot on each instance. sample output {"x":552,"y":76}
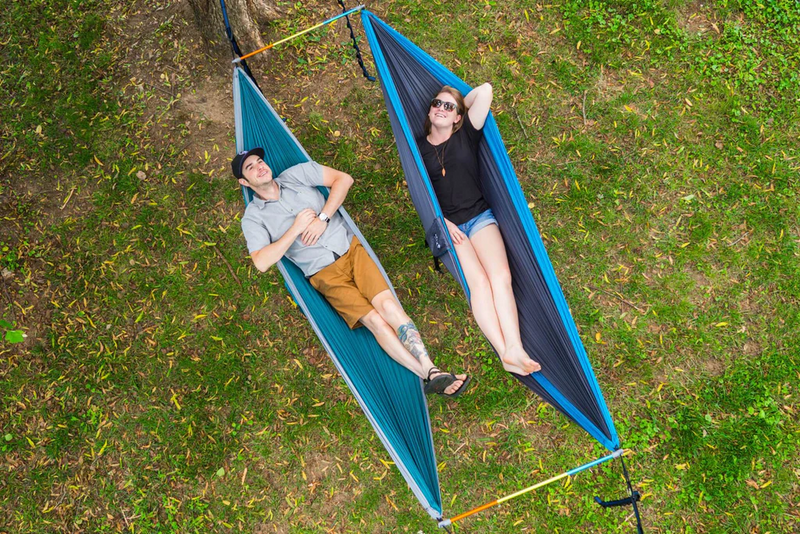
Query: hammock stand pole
{"x":298,"y":34}
{"x":447,"y":522}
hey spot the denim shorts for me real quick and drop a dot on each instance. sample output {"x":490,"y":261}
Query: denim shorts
{"x":480,"y":221}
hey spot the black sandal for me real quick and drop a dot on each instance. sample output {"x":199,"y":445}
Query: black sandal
{"x":438,"y":383}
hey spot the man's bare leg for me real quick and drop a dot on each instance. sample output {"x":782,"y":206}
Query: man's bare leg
{"x":387,"y":338}
{"x":407,"y":333}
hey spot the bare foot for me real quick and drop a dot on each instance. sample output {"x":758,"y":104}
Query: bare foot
{"x":514,"y":369}
{"x":516,"y":360}
{"x":452,"y":388}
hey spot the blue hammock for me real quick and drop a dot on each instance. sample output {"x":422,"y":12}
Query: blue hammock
{"x":409,"y":78}
{"x":390,"y":395}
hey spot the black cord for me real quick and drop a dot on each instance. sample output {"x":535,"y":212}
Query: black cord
{"x":234,"y":45}
{"x":355,"y":44}
{"x":639,"y":528}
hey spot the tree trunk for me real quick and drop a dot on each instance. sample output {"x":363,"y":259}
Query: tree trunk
{"x":245,"y":16}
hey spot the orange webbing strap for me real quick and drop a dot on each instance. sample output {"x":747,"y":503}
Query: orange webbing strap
{"x":298,"y":34}
{"x":615,"y":454}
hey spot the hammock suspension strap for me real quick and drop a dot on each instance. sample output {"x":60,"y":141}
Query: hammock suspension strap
{"x":235,"y":50}
{"x":355,"y":44}
{"x":298,"y":34}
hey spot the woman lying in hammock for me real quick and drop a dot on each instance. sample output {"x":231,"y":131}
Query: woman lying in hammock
{"x":450,"y":153}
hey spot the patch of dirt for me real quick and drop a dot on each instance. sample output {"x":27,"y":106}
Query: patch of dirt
{"x":328,"y":506}
{"x":702,"y":291}
{"x":317,"y":357}
{"x":696,"y":20}
{"x":713,"y":367}
{"x":210,"y":102}
{"x":751,"y":348}
{"x":318,"y":465}
{"x":608,"y":85}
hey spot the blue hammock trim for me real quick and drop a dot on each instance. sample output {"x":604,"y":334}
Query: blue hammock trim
{"x":409,"y":77}
{"x":390,"y":396}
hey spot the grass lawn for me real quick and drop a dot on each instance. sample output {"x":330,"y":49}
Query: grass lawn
{"x":153,"y":381}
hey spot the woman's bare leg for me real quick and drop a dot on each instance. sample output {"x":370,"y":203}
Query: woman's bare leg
{"x":481,"y":297}
{"x":489,"y":248}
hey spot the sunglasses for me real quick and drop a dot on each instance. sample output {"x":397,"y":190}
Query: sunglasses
{"x":448,"y":106}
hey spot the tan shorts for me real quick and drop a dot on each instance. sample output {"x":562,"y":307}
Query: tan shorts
{"x":350,"y":283}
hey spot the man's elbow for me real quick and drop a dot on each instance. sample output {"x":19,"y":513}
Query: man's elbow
{"x":260,"y":264}
{"x":347,"y":180}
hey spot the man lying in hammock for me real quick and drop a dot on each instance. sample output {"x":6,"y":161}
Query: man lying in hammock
{"x":288,"y":216}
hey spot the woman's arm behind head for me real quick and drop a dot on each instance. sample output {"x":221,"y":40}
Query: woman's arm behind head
{"x":478,"y":102}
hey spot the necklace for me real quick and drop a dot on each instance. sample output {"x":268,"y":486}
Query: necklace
{"x":439,"y":158}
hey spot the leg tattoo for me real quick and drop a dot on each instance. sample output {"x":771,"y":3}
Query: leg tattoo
{"x":412,"y":341}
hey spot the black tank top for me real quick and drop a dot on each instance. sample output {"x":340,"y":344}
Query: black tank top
{"x":459,"y":190}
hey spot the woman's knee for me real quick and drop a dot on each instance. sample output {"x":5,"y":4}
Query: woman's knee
{"x":500,"y":277}
{"x":480,"y":284}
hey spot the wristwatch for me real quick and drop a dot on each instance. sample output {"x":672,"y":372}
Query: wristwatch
{"x":324,"y":218}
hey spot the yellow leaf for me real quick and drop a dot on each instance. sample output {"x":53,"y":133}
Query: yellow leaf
{"x":98,"y":161}
{"x":719,"y":325}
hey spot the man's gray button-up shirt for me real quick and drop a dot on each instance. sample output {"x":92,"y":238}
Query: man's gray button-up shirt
{"x":265,"y":221}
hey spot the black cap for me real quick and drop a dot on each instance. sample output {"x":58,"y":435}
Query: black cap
{"x":238,"y":160}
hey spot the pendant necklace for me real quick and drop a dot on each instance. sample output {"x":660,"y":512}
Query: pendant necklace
{"x":439,"y":158}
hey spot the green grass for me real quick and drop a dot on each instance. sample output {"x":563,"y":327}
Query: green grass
{"x":160,"y":390}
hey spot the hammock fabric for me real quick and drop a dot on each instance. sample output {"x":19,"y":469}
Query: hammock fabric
{"x":409,"y":78}
{"x":390,"y":395}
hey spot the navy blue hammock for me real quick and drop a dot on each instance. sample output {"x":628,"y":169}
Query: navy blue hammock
{"x":410,"y":78}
